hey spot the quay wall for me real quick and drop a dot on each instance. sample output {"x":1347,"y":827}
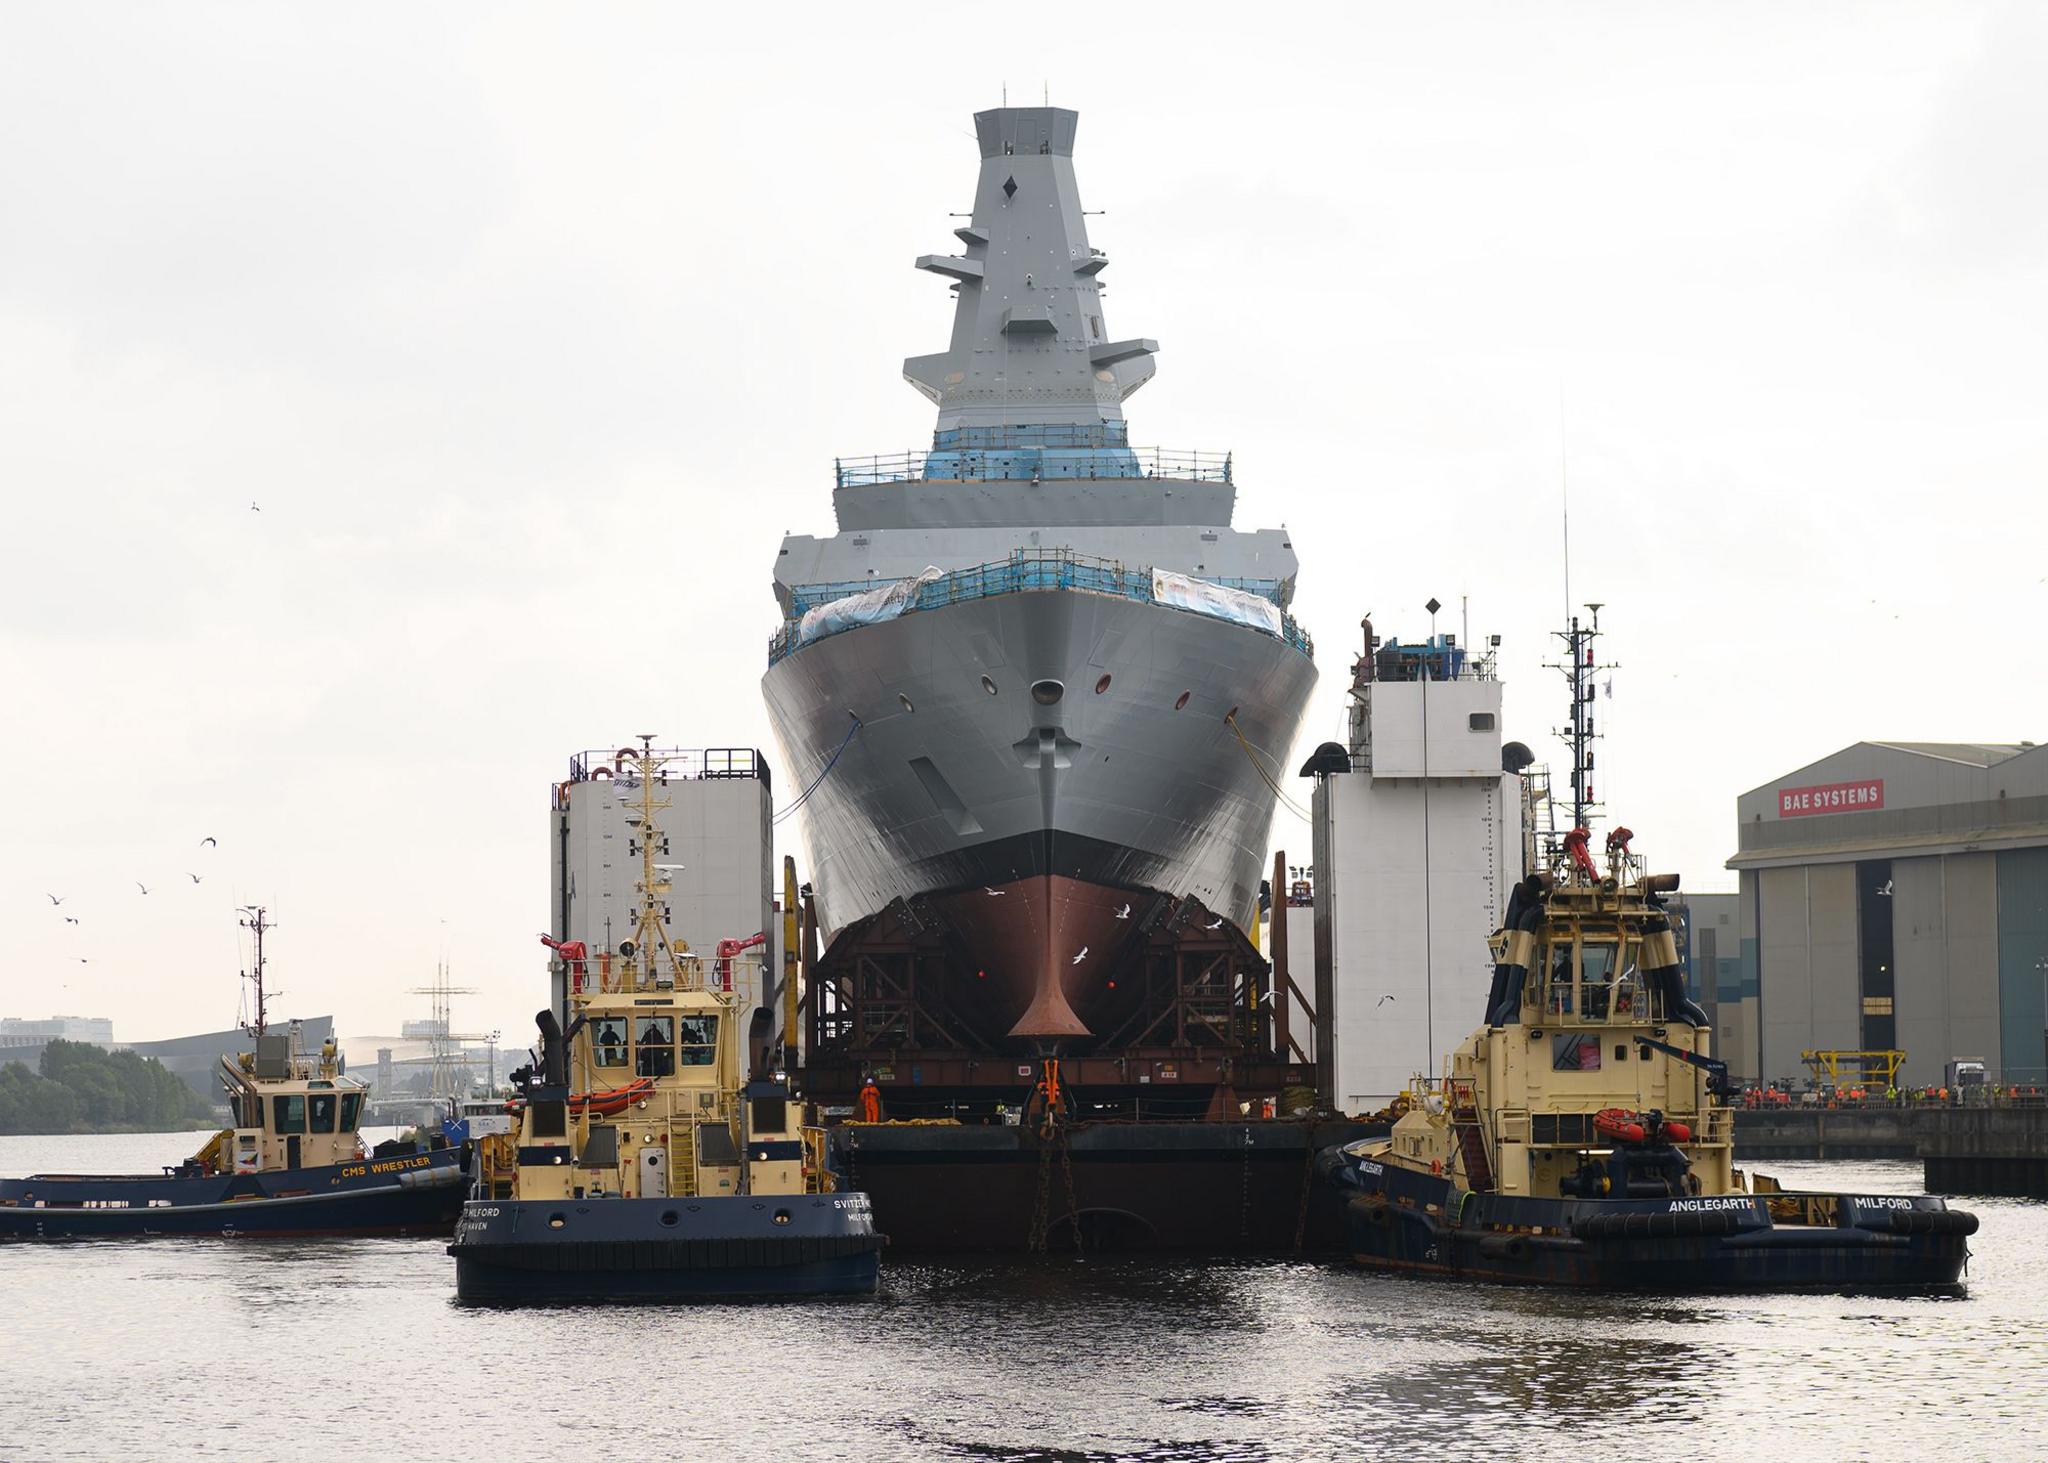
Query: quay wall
{"x":1963,"y":1150}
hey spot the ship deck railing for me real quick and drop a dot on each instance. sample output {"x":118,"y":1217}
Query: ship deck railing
{"x":1032,"y":462}
{"x":1024,"y":570}
{"x":678,"y":764}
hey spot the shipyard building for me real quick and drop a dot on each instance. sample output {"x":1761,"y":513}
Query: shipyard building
{"x":1893,"y":896}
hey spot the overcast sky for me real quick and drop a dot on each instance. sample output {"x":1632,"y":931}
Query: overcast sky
{"x":519,"y":324}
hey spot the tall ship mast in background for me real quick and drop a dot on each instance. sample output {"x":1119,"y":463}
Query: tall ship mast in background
{"x":1036,"y":689}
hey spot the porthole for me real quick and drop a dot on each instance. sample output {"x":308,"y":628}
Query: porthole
{"x":988,"y":685}
{"x":782,"y":1216}
{"x":669,"y":1217}
{"x":1103,"y":684}
{"x":906,"y":701}
{"x":1180,"y":702}
{"x":1047,"y":693}
{"x":556,"y":1221}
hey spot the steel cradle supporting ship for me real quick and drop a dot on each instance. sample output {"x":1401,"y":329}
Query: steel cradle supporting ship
{"x":1582,"y":1135}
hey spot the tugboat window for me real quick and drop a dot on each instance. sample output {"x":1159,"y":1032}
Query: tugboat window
{"x":321,"y":1112}
{"x":654,"y":1042}
{"x":288,"y":1114}
{"x":1560,"y":1003}
{"x":351,"y":1111}
{"x":1574,"y":1053}
{"x":608,"y":1040}
{"x":1596,"y":971}
{"x":699,"y":1037}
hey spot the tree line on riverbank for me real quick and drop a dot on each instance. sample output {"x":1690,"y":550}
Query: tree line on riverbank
{"x":79,"y":1088}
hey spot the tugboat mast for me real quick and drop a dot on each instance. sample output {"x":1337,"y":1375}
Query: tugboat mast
{"x":256,"y":919}
{"x":1579,"y":669}
{"x":654,"y":880}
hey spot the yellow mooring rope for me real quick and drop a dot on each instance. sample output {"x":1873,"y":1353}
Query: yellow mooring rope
{"x":1253,"y":757}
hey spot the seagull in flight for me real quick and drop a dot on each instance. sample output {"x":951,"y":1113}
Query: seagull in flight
{"x":1082,"y":956}
{"x":69,"y":920}
{"x":54,"y":900}
{"x":209,"y":843}
{"x":193,"y":877}
{"x":1216,"y":926}
{"x":83,"y":961}
{"x":142,"y":886}
{"x":1382,"y":1001}
{"x":1124,"y":913}
{"x":993,"y":893}
{"x":252,"y":506}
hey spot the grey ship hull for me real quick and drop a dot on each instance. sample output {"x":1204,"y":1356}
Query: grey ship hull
{"x":1146,"y":788}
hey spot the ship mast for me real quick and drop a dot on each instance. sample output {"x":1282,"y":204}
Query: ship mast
{"x":256,"y":919}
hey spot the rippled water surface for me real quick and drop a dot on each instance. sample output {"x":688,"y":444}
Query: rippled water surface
{"x":177,"y":1348}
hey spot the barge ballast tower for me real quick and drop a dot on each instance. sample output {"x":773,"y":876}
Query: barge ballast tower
{"x":1035,"y":693}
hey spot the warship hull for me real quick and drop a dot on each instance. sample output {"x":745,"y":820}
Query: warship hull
{"x":1038,"y":764}
{"x":668,"y":1249}
{"x":1398,"y":1219}
{"x":419,"y":1194}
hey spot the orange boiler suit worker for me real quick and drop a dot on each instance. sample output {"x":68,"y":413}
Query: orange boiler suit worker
{"x":870,"y":1102}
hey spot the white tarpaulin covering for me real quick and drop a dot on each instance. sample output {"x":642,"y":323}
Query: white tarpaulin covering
{"x":870,"y":606}
{"x":1216,"y":601}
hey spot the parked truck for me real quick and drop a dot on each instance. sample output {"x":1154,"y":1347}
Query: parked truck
{"x":1962,"y":1074}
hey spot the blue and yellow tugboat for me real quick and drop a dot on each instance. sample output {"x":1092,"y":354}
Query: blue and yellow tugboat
{"x":1582,"y":1136}
{"x":292,"y":1164}
{"x":642,"y":1165}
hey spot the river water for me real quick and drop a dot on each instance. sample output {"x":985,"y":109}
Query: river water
{"x":189,"y":1348}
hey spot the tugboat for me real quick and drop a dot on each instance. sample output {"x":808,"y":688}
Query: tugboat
{"x":291,"y":1165}
{"x":1582,"y":1136}
{"x":642,"y":1166}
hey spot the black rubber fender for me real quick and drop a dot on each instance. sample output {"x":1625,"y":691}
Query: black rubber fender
{"x":1373,"y":1210}
{"x":1514,"y":1247}
{"x":1933,"y":1221}
{"x":1659,"y":1225}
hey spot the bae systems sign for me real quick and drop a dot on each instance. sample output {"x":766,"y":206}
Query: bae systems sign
{"x":1832,"y":797}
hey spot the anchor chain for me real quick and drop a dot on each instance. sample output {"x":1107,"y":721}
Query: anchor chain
{"x":1065,"y":1140}
{"x":1035,"y":1244}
